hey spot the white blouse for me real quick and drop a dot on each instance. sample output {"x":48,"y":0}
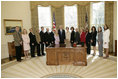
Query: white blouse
{"x":106,"y":35}
{"x":68,"y":36}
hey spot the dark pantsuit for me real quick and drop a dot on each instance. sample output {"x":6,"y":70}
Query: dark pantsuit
{"x":32,"y":50}
{"x":18,"y":52}
{"x":88,"y":47}
{"x":38,"y":50}
{"x":100,"y":48}
{"x":88,"y":42}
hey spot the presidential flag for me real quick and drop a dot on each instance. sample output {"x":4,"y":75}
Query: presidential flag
{"x":86,"y":20}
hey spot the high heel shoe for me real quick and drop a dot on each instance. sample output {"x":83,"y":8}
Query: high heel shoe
{"x":106,"y":57}
{"x":93,"y":54}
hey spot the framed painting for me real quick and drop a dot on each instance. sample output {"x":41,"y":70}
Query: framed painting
{"x":10,"y":24}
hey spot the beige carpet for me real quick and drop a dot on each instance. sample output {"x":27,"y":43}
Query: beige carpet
{"x":36,"y":67}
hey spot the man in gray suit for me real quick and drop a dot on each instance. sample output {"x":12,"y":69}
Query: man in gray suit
{"x":18,"y":42}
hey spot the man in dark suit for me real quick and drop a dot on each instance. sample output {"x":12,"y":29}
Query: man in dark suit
{"x":37,"y":34}
{"x":61,"y":33}
{"x":18,"y":42}
{"x":88,"y":38}
{"x":77,"y":36}
{"x":42,"y":35}
{"x":52,"y":36}
{"x":47,"y":37}
{"x":32,"y":42}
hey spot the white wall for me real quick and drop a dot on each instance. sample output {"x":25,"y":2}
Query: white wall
{"x":13,"y":10}
{"x":115,"y":25}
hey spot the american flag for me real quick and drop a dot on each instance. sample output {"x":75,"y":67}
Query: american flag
{"x":54,"y":23}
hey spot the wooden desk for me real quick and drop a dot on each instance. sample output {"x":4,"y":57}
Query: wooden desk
{"x":66,"y":55}
{"x":12,"y":50}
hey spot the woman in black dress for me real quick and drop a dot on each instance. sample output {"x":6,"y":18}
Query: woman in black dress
{"x":93,"y":39}
{"x":72,"y":38}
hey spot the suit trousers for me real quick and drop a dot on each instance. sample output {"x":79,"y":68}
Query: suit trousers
{"x":88,"y":47}
{"x":42,"y":48}
{"x":18,"y":52}
{"x":38,"y":50}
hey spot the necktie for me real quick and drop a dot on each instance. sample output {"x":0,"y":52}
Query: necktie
{"x":61,"y":32}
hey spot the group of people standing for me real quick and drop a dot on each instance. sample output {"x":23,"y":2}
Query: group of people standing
{"x":89,"y":39}
{"x":40,"y":38}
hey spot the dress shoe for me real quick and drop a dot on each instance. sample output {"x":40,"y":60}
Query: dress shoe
{"x":39,"y":55}
{"x":33,"y":56}
{"x":43,"y":54}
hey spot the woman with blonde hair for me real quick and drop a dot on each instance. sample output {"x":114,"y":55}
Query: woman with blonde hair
{"x":26,"y":42}
{"x":56,"y":36}
{"x":106,"y":40}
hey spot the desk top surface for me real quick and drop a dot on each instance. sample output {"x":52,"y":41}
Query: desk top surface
{"x":64,"y":46}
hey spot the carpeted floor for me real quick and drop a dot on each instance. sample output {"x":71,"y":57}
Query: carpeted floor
{"x":97,"y":67}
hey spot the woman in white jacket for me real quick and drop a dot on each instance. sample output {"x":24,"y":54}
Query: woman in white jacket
{"x":26,"y":42}
{"x":106,"y":40}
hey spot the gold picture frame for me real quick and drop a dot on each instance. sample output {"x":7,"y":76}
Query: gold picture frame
{"x":10,"y":24}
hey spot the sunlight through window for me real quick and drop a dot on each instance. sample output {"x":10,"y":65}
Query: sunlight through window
{"x":44,"y":17}
{"x":70,"y":16}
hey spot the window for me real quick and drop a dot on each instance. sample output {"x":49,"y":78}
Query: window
{"x":97,"y":14}
{"x":44,"y":17}
{"x":70,"y":16}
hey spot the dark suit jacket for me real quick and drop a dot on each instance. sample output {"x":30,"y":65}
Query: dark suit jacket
{"x":47,"y":37}
{"x":32,"y":38}
{"x":77,"y":37}
{"x":72,"y":38}
{"x":88,"y":37}
{"x":52,"y":37}
{"x":61,"y":36}
{"x":42,"y":35}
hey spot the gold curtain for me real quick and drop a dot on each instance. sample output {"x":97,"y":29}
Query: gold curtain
{"x":81,"y":16}
{"x":88,"y":13}
{"x":57,"y":7}
{"x":34,"y":18}
{"x":58,"y":4}
{"x":59,"y":16}
{"x":109,"y":22}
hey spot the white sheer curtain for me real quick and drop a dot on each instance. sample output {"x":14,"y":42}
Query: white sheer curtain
{"x":70,"y":16}
{"x":98,"y":14}
{"x":44,"y":17}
